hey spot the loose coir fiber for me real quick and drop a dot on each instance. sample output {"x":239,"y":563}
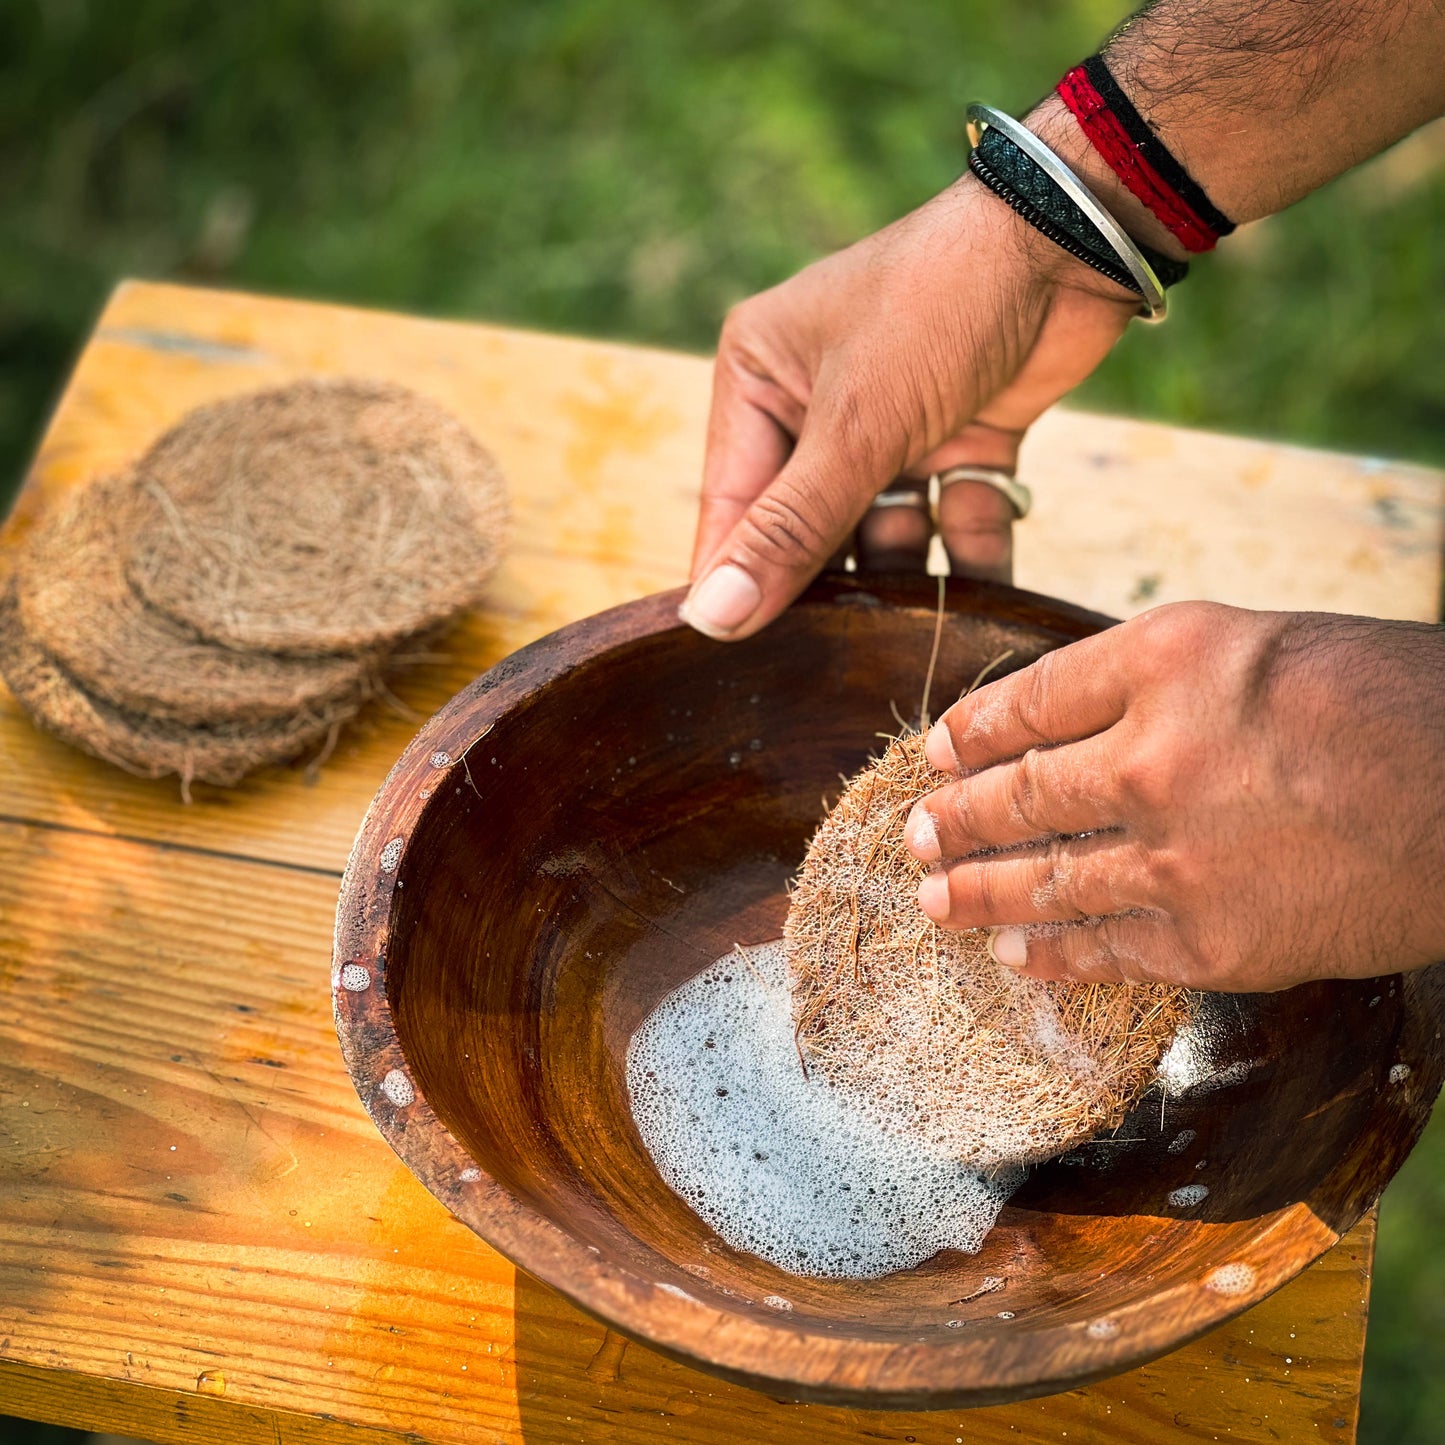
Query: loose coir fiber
{"x":921,"y":1027}
{"x":324,"y":516}
{"x":74,"y":602}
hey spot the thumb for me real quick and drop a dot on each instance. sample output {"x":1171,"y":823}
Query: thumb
{"x":787,"y":535}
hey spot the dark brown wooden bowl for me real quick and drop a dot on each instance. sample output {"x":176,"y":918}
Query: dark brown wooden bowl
{"x":606,"y":812}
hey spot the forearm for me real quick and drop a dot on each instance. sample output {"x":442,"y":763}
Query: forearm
{"x":1262,"y":101}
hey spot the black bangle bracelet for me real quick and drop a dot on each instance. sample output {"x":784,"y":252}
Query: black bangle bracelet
{"x":1015,"y":178}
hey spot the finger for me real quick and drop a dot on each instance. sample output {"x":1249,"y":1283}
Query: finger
{"x":1069,"y":694}
{"x":1046,"y":792}
{"x":748,"y":444}
{"x":1118,"y":948}
{"x":895,"y":538}
{"x":976,"y":522}
{"x":974,"y":519}
{"x":1065,"y":881}
{"x":787,"y":535}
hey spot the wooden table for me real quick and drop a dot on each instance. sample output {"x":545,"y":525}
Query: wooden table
{"x":201,"y":1236}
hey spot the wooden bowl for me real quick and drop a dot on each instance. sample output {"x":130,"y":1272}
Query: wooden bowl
{"x":605,"y":813}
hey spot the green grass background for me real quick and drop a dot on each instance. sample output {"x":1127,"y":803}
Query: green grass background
{"x":630,"y":168}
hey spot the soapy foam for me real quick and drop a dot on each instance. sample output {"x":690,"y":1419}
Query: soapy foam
{"x":779,"y":1163}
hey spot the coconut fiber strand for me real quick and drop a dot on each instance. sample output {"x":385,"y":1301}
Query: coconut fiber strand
{"x":918,"y":1023}
{"x":75,"y":602}
{"x":324,"y":516}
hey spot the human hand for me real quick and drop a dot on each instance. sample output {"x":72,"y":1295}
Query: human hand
{"x":932,"y":344}
{"x":1261,"y":794}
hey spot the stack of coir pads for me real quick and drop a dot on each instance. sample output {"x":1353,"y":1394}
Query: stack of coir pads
{"x":235,"y":597}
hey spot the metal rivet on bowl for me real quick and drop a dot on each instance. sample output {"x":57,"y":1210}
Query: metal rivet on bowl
{"x":391,"y":855}
{"x":355,"y":978}
{"x":1230,"y":1279}
{"x":398,"y":1088}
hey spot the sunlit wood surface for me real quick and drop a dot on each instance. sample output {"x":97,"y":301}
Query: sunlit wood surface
{"x":201,"y":1236}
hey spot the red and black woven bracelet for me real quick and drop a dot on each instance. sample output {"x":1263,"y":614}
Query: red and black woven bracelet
{"x":1139,"y":158}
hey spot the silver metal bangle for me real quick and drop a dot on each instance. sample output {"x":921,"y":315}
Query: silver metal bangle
{"x":1019,"y":495}
{"x":980,"y":117}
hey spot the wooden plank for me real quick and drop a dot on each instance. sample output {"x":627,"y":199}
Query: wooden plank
{"x":603,"y":444}
{"x":1130,"y":515}
{"x":202,"y":1236}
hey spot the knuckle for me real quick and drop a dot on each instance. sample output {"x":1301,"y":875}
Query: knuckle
{"x":1093,"y":949}
{"x":1035,"y":687}
{"x":1178,"y":628}
{"x":984,"y":886}
{"x":780,"y":533}
{"x":1027,"y":791}
{"x":1171,"y":875}
{"x":738,"y":323}
{"x":1059,"y":887}
{"x":954,"y":812}
{"x":1147,"y":772}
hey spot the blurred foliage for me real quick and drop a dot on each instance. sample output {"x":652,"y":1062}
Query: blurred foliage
{"x":630,"y":168}
{"x":1404,"y":1397}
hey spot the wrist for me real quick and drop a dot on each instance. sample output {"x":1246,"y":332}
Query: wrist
{"x":1048,"y":263}
{"x":1051,"y":121}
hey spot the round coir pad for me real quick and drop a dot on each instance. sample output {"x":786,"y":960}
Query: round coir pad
{"x":76,"y":604}
{"x":325,"y":516}
{"x":223,"y":754}
{"x":917,"y":1025}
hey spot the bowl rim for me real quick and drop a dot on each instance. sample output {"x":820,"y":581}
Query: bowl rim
{"x":929,"y":1370}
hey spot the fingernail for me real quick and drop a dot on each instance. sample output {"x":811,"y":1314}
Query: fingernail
{"x":721,"y":602}
{"x":1008,"y":946}
{"x":921,"y":835}
{"x":933,"y":896}
{"x":938,"y":749}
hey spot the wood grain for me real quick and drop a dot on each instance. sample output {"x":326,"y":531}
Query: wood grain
{"x":131,"y":927}
{"x":602,"y":445}
{"x":280,"y":1259}
{"x":635,"y":807}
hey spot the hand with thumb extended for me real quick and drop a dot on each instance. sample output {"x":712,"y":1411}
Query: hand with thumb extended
{"x":932,"y":344}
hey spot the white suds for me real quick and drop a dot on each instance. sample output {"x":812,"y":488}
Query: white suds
{"x":1231,"y":1279}
{"x":780,"y":1164}
{"x":1188,"y":1195}
{"x":354,"y":978}
{"x":1194,"y":1063}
